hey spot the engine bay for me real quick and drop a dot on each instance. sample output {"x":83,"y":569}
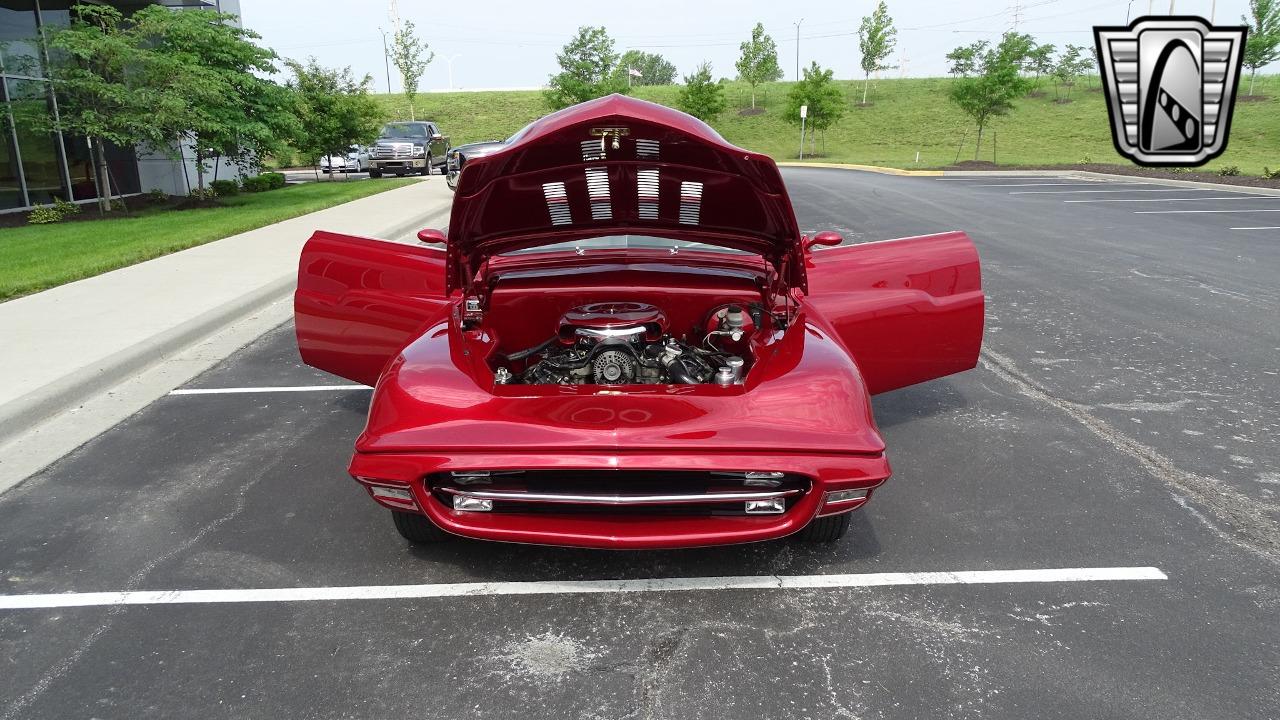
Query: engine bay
{"x":625,"y":343}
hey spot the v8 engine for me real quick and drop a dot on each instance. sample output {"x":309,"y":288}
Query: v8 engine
{"x":625,"y":343}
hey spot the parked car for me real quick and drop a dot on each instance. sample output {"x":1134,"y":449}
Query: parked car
{"x":458,"y":156}
{"x":408,"y":148}
{"x":626,"y":342}
{"x":356,"y":160}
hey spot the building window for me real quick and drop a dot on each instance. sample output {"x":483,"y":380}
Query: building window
{"x":10,"y":180}
{"x":40,"y":152}
{"x":19,"y":54}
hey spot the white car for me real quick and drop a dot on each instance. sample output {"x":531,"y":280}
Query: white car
{"x":356,"y":160}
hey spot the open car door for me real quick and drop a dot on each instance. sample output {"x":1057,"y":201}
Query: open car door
{"x":360,"y":301}
{"x":908,"y":310}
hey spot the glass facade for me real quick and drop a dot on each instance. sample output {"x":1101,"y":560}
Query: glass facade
{"x":39,"y":167}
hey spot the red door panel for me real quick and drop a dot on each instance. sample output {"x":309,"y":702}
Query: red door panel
{"x":360,"y":301}
{"x":909,"y":310}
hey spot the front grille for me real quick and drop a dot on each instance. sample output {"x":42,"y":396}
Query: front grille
{"x":393,"y":151}
{"x":618,"y":492}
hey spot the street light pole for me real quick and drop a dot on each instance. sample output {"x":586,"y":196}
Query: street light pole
{"x":450,"y":60}
{"x":386,"y":58}
{"x":798,"y":49}
{"x":1127,"y":12}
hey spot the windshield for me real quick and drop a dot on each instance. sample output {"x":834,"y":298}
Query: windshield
{"x":403,"y":130}
{"x":616,"y":242}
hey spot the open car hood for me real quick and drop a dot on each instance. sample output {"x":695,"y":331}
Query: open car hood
{"x":615,"y":166}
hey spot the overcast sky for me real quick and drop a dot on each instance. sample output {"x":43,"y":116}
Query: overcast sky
{"x":513,"y":44}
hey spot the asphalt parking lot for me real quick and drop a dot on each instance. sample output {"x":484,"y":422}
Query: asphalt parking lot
{"x":1124,"y":415}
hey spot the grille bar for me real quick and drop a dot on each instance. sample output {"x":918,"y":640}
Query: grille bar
{"x":620,"y":499}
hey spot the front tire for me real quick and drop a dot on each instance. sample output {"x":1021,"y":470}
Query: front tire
{"x":824,"y":529}
{"x":427,"y":170}
{"x":417,"y":529}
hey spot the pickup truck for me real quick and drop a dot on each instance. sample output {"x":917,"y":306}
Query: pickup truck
{"x":408,"y":148}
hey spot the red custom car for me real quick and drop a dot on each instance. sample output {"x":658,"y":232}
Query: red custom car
{"x":625,"y":342}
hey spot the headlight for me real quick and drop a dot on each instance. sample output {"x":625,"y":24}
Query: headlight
{"x":419,"y":151}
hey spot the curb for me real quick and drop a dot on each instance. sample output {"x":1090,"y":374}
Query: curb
{"x":1198,"y":184}
{"x":1065,"y":172}
{"x":864,"y":168}
{"x":73,"y":390}
{"x":70,"y":391}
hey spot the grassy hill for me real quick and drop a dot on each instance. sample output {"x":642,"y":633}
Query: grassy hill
{"x":905,"y":116}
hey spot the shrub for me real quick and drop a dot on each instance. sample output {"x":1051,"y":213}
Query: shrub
{"x":263,"y":182}
{"x":201,"y":194}
{"x":157,"y":196}
{"x":44,"y":214}
{"x":255,"y":184}
{"x":225,"y":188}
{"x":1228,"y":171}
{"x":1269,"y":174}
{"x":65,"y":207}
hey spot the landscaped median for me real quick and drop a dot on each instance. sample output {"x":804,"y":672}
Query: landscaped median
{"x":37,"y":257}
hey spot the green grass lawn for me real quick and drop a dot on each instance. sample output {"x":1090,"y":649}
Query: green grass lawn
{"x":905,"y":116}
{"x":36,"y":257}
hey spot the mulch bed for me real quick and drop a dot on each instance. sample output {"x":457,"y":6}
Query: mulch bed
{"x":89,"y":211}
{"x":1129,"y":170}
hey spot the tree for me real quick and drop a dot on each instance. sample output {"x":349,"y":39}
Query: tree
{"x":1019,"y":49}
{"x":876,"y":38}
{"x":1262,"y":46}
{"x":759,"y":61}
{"x":333,"y":107}
{"x":1040,"y":61}
{"x":216,"y":75}
{"x":701,"y":96}
{"x":94,"y":63}
{"x":587,"y":66}
{"x":964,"y":59}
{"x":653,"y":68}
{"x":825,"y":100}
{"x":410,"y":56}
{"x":1071,"y":64}
{"x":992,"y":82}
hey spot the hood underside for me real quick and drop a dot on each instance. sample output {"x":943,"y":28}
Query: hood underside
{"x":617,"y":166}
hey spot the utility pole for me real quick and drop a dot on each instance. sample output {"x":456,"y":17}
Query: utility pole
{"x":798,"y":49}
{"x":386,"y":57}
{"x":1128,"y":11}
{"x":450,"y":60}
{"x":1213,"y":10}
{"x":1017,"y":14}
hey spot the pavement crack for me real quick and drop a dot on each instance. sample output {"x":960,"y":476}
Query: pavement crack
{"x":656,"y":659}
{"x":1247,"y":526}
{"x":17,"y":708}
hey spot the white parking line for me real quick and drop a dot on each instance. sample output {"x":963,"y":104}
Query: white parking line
{"x":988,"y":176}
{"x":1060,"y":184}
{"x":1181,"y":212}
{"x":1263,"y":227}
{"x":1130,"y":190}
{"x":1219,"y":197}
{"x":282,"y":389}
{"x":569,"y":587}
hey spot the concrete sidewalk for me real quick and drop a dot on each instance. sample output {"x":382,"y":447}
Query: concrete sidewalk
{"x":65,"y":345}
